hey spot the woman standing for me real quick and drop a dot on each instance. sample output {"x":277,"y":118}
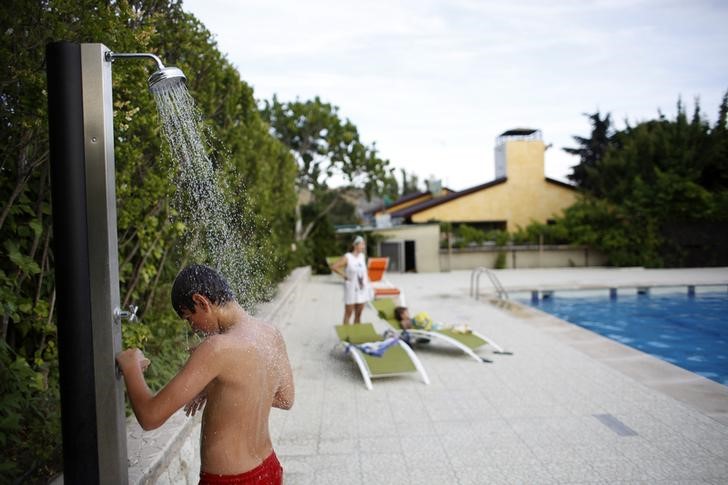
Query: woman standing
{"x":357,"y":289}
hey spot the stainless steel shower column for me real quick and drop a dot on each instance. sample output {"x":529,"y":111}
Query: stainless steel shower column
{"x":87,"y":279}
{"x":98,"y":127}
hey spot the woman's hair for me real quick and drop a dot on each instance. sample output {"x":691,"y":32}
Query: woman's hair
{"x":203,"y":280}
{"x":357,"y":240}
{"x":398,"y":312}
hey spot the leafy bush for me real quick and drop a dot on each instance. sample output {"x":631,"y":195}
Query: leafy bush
{"x":30,"y":434}
{"x":259,"y":174}
{"x":468,"y":235}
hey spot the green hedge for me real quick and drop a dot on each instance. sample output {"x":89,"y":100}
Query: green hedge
{"x":259,"y":175}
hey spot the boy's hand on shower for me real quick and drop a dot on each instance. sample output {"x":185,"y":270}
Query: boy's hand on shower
{"x":131,"y":357}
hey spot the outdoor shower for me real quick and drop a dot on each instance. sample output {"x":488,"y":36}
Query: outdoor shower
{"x":80,"y":118}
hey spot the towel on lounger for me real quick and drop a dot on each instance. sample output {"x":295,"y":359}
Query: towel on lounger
{"x":375,"y":349}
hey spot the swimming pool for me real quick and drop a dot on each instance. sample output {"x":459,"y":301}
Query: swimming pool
{"x":688,"y":331}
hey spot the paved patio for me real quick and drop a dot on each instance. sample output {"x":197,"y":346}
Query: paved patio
{"x":567,"y":407}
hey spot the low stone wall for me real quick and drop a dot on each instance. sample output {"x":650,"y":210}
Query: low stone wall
{"x":521,"y":257}
{"x":170,"y":454}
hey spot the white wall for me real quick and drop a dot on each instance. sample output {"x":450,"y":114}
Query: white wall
{"x":427,"y":243}
{"x":522,"y":257}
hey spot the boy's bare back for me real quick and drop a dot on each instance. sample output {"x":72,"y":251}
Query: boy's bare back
{"x":253,"y":376}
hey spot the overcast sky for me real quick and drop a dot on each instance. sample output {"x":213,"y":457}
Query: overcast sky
{"x":434,"y":82}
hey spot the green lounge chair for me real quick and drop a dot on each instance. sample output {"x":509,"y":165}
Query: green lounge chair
{"x":398,"y":359}
{"x":467,"y":342}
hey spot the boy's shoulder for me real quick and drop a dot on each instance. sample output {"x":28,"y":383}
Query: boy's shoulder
{"x":252,"y":330}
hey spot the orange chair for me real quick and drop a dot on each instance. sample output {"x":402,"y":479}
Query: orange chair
{"x":377,"y":267}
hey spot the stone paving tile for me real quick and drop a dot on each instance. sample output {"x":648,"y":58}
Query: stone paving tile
{"x":348,"y":463}
{"x":570,"y":472}
{"x":467,"y":457}
{"x":297,"y":478}
{"x":480,"y":475}
{"x":528,"y":473}
{"x":437,"y":474}
{"x":339,"y":446}
{"x":390,"y":444}
{"x":301,"y":465}
{"x":297,"y":447}
{"x":336,"y":477}
{"x":459,"y":427}
{"x":594,"y":452}
{"x":420,"y":428}
{"x":426,"y":459}
{"x":555,"y":455}
{"x":663,"y":470}
{"x":383,"y":468}
{"x":706,"y":468}
{"x":677,"y":447}
{"x":620,"y":469}
{"x":509,"y":454}
{"x":425,"y":444}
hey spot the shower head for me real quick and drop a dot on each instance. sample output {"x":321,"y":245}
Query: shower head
{"x":163,"y":78}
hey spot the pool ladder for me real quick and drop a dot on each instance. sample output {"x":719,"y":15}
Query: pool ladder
{"x":475,"y":283}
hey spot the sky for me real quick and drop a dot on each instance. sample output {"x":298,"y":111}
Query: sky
{"x":434,"y":82}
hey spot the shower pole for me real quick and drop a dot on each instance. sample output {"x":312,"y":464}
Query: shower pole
{"x":80,"y":120}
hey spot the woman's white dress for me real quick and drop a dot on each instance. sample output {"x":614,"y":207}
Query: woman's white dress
{"x":357,"y":288}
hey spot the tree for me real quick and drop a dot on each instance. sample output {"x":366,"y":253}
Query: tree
{"x":326,"y":147}
{"x":410,"y":185}
{"x":658,"y":193}
{"x":591,"y":151}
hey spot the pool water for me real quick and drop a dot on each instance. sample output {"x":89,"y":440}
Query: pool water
{"x":688,"y":331}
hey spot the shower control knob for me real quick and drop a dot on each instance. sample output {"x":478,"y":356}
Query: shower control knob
{"x":129,"y":314}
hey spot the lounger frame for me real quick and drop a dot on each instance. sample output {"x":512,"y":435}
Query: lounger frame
{"x":433,"y":335}
{"x":358,"y":357}
{"x":437,"y":336}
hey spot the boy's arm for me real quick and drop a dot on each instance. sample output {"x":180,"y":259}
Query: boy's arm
{"x":285,"y":394}
{"x":153,"y":410}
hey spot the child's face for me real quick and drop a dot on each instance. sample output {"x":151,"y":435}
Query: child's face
{"x":404,"y":314}
{"x":194,"y":319}
{"x":201,"y":319}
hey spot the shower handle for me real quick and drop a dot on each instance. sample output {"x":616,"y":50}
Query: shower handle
{"x":129,"y":314}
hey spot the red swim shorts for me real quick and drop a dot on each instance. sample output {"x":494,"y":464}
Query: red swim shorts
{"x":268,"y":472}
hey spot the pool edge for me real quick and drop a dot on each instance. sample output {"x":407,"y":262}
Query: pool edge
{"x":705,"y":395}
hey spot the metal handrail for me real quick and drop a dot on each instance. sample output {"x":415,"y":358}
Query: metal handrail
{"x":502,"y":293}
{"x":475,"y":283}
{"x":473,"y":274}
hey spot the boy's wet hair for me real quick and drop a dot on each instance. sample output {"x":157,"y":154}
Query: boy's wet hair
{"x":398,"y":312}
{"x":201,"y":279}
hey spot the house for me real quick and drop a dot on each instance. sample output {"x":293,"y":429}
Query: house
{"x":519,"y":195}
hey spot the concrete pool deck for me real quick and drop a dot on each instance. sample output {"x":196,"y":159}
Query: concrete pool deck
{"x":568,"y":407}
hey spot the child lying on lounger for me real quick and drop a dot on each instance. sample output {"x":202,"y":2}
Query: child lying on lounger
{"x":422,"y":321}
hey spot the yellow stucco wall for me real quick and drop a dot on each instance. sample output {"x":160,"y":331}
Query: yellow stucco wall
{"x":525,"y":197}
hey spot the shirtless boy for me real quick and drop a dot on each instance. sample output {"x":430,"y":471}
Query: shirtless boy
{"x":238,"y":373}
